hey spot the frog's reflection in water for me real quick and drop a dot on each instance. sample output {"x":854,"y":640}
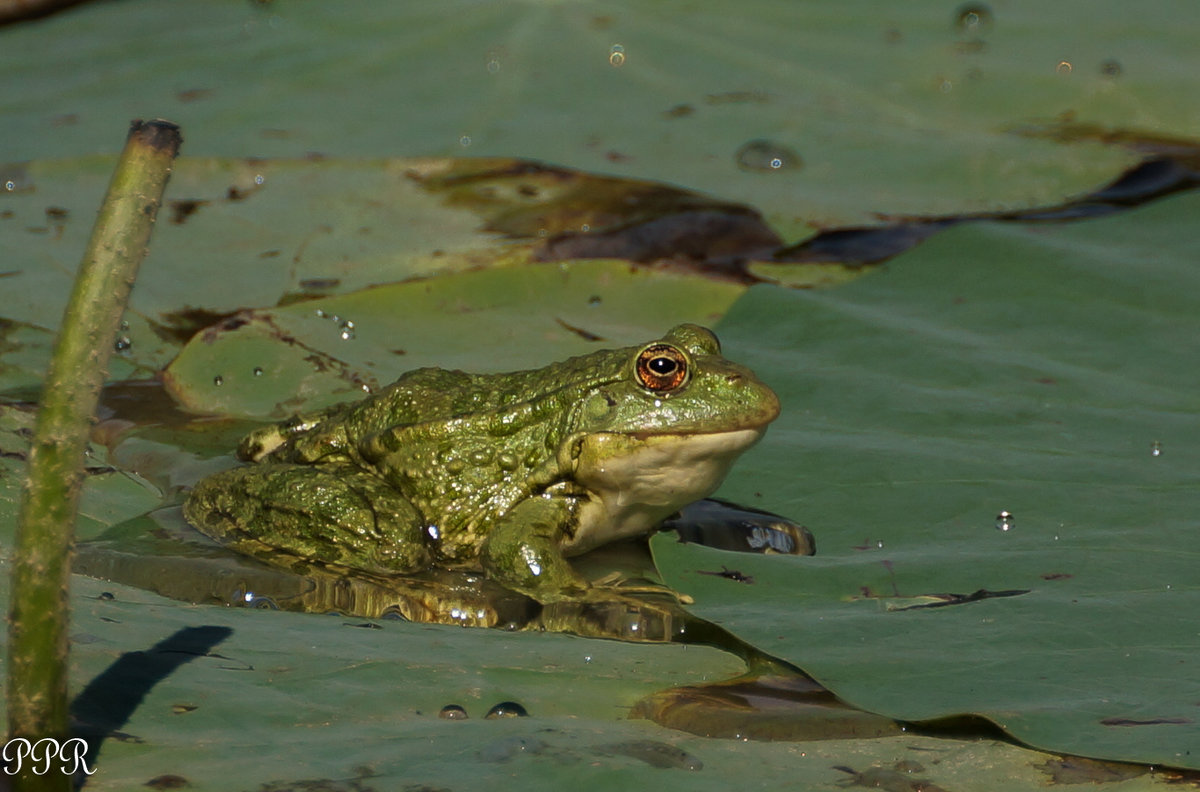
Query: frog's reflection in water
{"x":162,"y":553}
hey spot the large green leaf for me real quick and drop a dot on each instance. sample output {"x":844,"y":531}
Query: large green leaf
{"x":110,"y":495}
{"x":1046,"y":371}
{"x":231,"y":699}
{"x":275,"y":362}
{"x":898,"y":108}
{"x":911,"y":418}
{"x":246,"y":234}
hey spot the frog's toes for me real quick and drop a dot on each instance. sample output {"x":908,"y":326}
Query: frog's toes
{"x":616,"y":581}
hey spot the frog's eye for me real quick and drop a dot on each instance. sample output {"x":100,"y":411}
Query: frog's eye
{"x":661,"y":367}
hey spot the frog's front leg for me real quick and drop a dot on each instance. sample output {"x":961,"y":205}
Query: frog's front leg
{"x":522,"y":551}
{"x":334,"y":514}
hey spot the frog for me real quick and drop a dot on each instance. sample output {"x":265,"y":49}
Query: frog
{"x":508,"y":474}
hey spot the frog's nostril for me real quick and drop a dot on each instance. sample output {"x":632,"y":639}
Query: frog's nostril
{"x":733,"y":377}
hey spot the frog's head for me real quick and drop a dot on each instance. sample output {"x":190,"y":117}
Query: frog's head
{"x":665,"y":430}
{"x":678,"y":385}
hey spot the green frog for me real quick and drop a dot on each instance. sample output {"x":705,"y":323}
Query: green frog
{"x":512,"y":473}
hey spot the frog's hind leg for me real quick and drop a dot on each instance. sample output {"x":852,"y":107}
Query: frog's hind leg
{"x":337,"y":515}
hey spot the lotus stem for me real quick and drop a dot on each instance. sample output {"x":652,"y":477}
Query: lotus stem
{"x":39,"y":613}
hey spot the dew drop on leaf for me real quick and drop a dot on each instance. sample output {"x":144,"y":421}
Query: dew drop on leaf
{"x":972,"y":18}
{"x":767,"y":156}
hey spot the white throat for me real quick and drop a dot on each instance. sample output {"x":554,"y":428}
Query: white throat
{"x":634,"y":483}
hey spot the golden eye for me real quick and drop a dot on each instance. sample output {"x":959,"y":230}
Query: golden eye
{"x":661,"y":367}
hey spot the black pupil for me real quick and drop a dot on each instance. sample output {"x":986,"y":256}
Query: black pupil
{"x":662,"y":366}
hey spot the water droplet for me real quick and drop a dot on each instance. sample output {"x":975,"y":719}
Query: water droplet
{"x":972,"y":18}
{"x":493,"y":61}
{"x":218,"y":380}
{"x":345,"y":326}
{"x":1111,"y":68}
{"x":1063,"y":67}
{"x":587,"y":658}
{"x":10,"y":185}
{"x":1156,"y":449}
{"x":879,"y":544}
{"x":506,"y":709}
{"x":1005,"y":521}
{"x":464,"y":141}
{"x":124,"y":325}
{"x":946,"y":86}
{"x":766,"y":156}
{"x":453,"y":712}
{"x":595,"y":299}
{"x":122,"y":344}
{"x":616,"y":55}
{"x":258,"y":372}
{"x":259,"y":179}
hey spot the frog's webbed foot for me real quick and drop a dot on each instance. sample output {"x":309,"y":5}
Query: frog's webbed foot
{"x":618,"y":582}
{"x":329,"y":514}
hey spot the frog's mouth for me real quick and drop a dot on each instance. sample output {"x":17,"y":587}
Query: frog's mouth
{"x":634,"y":482}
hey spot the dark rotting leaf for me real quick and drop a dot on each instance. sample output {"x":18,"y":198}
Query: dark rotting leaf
{"x":575,"y":214}
{"x":1156,"y":177}
{"x":1149,"y":180}
{"x":697,"y":235}
{"x":177,"y":327}
{"x":862,"y":246}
